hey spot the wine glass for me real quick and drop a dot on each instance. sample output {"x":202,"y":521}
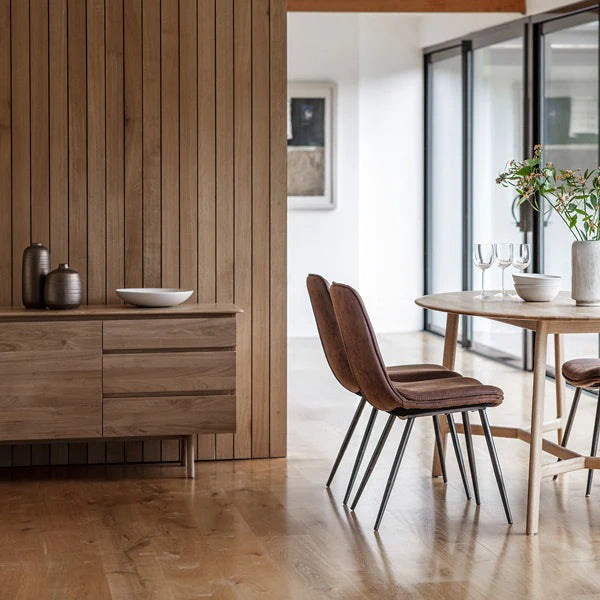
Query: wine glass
{"x":483,"y":258}
{"x":522,"y":257}
{"x":503,"y":254}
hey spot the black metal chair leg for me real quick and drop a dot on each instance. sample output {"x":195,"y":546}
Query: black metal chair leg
{"x":394,"y":472}
{"x":588,"y":489}
{"x":361,"y":453}
{"x":495,"y":463}
{"x":471,"y":455}
{"x":346,"y":441}
{"x":458,"y":452}
{"x":570,"y":420}
{"x":440,"y":447}
{"x":380,"y":445}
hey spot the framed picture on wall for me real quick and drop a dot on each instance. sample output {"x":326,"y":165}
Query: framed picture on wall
{"x":310,"y":151}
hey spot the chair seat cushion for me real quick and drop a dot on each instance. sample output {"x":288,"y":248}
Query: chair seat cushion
{"x":582,"y":372}
{"x":449,"y":392}
{"x":419,"y":372}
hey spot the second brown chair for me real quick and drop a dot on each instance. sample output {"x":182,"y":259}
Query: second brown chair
{"x":409,"y":400}
{"x":333,"y":347}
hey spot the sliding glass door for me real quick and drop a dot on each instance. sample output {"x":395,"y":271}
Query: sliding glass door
{"x":570,"y":134}
{"x":445,"y":165}
{"x":498,"y":89}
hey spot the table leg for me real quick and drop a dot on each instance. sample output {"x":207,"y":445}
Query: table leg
{"x":560,"y":383}
{"x":537,"y":429}
{"x":449,"y":359}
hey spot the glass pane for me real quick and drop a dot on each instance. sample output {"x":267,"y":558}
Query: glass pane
{"x":497,"y":138}
{"x":570,"y":141}
{"x":446,"y":179}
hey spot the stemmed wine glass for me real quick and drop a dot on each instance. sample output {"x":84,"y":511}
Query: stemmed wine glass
{"x":522,"y":257}
{"x":503,"y":254}
{"x":483,"y":258}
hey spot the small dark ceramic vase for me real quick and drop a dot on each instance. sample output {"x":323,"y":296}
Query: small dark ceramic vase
{"x":63,"y":288}
{"x":36,"y":264}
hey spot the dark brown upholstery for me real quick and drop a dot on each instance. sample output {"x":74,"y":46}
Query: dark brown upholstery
{"x":333,"y":345}
{"x":369,"y":369}
{"x":582,"y":372}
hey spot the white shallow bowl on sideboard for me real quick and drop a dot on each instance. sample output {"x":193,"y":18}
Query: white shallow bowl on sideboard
{"x":538,"y":279}
{"x":153,"y":297}
{"x":537,"y":293}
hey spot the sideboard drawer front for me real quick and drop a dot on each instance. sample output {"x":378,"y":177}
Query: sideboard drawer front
{"x":50,"y":380}
{"x":168,"y":415}
{"x":168,"y":372}
{"x":154,"y":334}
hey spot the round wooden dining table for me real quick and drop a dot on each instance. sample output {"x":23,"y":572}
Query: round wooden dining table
{"x":558,"y":317}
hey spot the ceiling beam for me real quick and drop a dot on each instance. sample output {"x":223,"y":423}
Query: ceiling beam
{"x":413,"y":6}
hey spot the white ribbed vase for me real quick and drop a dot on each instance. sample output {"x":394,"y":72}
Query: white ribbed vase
{"x":585,"y":273}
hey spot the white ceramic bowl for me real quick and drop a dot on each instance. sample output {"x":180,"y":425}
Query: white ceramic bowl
{"x":537,"y":279}
{"x":153,"y":297}
{"x":537,"y":293}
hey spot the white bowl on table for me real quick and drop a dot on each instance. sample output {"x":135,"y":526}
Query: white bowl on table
{"x":153,"y":297}
{"x":537,"y":287}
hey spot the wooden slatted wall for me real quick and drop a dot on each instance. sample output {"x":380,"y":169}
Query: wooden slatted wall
{"x":144,"y":142}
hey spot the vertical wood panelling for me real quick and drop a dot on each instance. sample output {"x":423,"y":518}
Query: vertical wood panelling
{"x":40,"y":148}
{"x":96,"y":154}
{"x":243,"y":222}
{"x":21,"y":209}
{"x":133,"y":142}
{"x":260,"y":228}
{"x":77,"y":76}
{"x":205,"y":447}
{"x":278,"y":229}
{"x":5,"y":155}
{"x":115,"y":151}
{"x":224,"y":175}
{"x":144,"y":141}
{"x":169,"y":31}
{"x":59,"y":132}
{"x":151,"y":129}
{"x":188,"y":146}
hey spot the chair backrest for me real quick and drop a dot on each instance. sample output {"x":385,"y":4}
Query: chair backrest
{"x":329,"y":332}
{"x":362,"y":349}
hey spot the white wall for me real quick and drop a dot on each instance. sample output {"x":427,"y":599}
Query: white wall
{"x":325,"y":48}
{"x":391,"y":170}
{"x":373,"y":239}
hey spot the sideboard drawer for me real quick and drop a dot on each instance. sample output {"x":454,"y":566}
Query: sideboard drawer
{"x":168,"y":372}
{"x":154,"y":334}
{"x":168,"y":415}
{"x":50,"y":380}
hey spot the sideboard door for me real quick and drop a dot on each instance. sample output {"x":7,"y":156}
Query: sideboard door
{"x":50,"y":380}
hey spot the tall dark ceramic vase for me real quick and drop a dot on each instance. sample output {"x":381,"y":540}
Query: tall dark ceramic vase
{"x":36,"y":264}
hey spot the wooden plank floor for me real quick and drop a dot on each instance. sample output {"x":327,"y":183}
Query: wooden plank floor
{"x":268,"y":528}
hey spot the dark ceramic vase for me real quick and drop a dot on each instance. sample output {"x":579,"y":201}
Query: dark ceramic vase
{"x":36,"y":264}
{"x":63,"y":288}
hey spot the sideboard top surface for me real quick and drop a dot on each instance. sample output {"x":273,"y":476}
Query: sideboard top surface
{"x":115,"y":311}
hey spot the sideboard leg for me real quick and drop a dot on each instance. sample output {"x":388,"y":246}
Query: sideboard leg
{"x":184,"y":451}
{"x":190,"y":452}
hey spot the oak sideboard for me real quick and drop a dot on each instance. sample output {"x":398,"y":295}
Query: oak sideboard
{"x":118,"y":372}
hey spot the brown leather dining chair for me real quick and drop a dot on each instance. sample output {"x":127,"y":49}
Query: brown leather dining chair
{"x":583,"y":373}
{"x":333,"y":347}
{"x":408,"y":400}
